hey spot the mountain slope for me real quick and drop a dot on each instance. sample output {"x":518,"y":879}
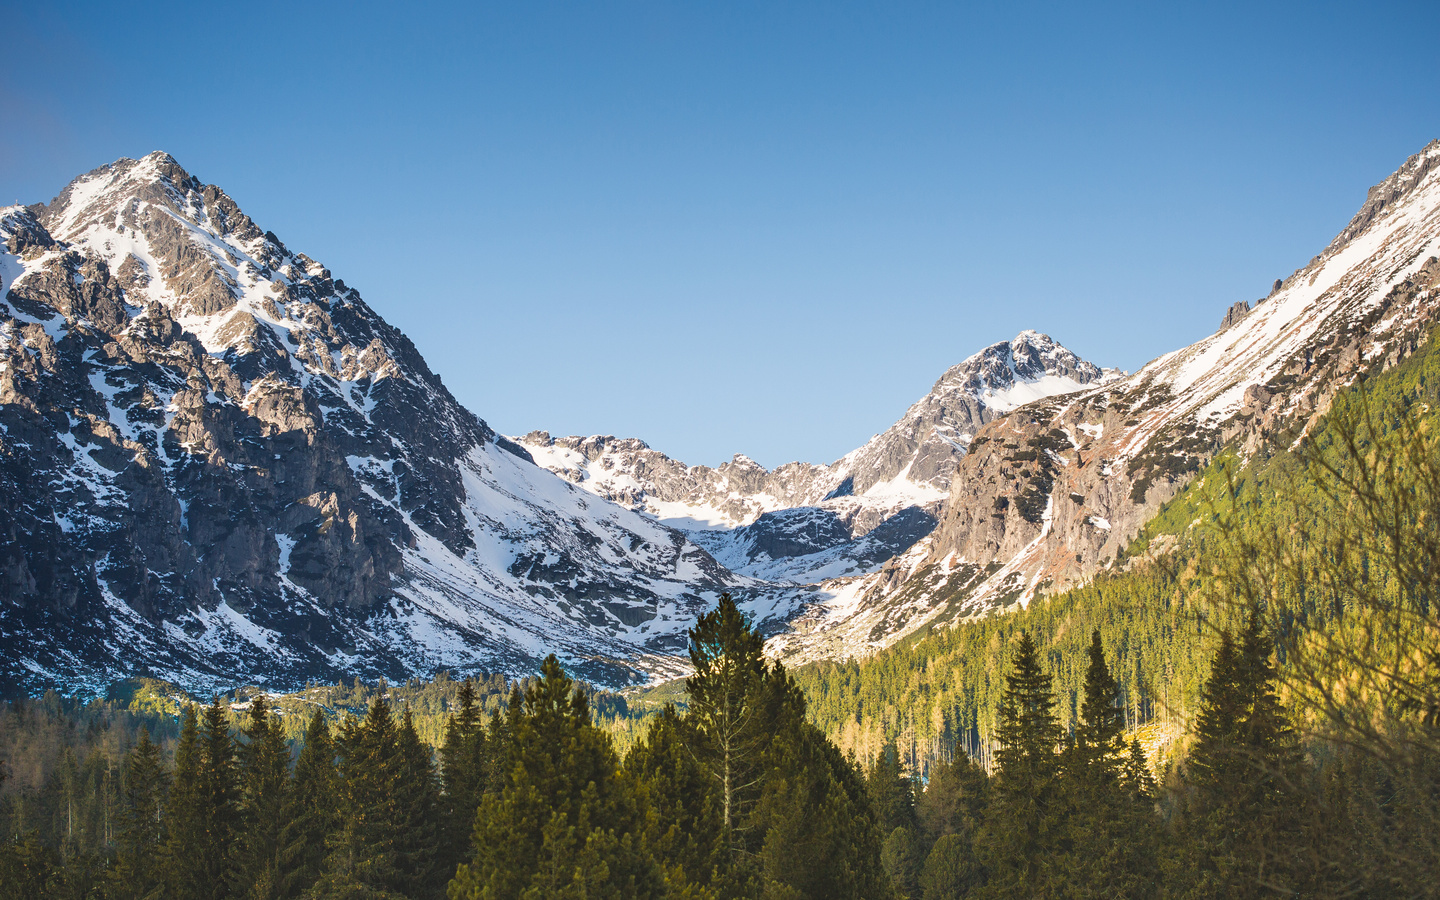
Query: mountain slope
{"x":218,"y":463}
{"x":803,"y":522}
{"x":1056,"y":490}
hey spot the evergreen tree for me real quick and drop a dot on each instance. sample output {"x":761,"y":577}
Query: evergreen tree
{"x":566,"y":822}
{"x":892,"y":797}
{"x":951,"y":871}
{"x":1242,"y":812}
{"x":219,"y":795}
{"x":1109,"y":849}
{"x":815,"y":807}
{"x":264,"y":782}
{"x":954,"y":800}
{"x":310,"y":815}
{"x":137,"y":873}
{"x":734,"y":716}
{"x":1022,"y":837}
{"x":683,"y":828}
{"x":950,"y":811}
{"x":186,"y":826}
{"x":465,"y":770}
{"x":417,"y":814}
{"x":362,"y":858}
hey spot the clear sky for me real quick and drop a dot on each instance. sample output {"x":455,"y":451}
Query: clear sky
{"x":762,"y":228}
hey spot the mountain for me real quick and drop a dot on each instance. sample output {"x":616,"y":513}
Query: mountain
{"x":1056,"y":490}
{"x":219,"y":464}
{"x":803,"y":522}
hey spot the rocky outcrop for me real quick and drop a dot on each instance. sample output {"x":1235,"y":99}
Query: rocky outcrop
{"x":217,"y":462}
{"x":1056,"y":490}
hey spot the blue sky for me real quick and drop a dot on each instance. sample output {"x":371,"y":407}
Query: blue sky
{"x":761,"y":228}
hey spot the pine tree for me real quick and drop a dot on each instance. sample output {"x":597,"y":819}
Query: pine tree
{"x":137,"y":873}
{"x":362,"y":858}
{"x":264,"y":783}
{"x":465,"y":769}
{"x":310,"y":810}
{"x":566,"y":822}
{"x":417,"y":814}
{"x":1241,"y":815}
{"x":815,"y":807}
{"x":892,"y":797}
{"x":683,"y":829}
{"x":219,"y":796}
{"x":186,"y":828}
{"x":1109,"y":849}
{"x":1021,"y":839}
{"x":950,"y":811}
{"x":733,"y":714}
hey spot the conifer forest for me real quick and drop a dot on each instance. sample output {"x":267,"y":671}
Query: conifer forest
{"x":1254,"y":713}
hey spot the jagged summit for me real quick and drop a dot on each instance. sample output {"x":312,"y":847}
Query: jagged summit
{"x":217,"y":462}
{"x":804,"y":522}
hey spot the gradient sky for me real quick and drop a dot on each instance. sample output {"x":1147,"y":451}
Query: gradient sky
{"x":762,"y":228}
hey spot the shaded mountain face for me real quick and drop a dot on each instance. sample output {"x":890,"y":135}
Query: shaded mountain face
{"x":1054,"y":491}
{"x":803,"y":522}
{"x":218,"y":463}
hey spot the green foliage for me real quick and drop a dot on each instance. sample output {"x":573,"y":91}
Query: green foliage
{"x":565,"y":822}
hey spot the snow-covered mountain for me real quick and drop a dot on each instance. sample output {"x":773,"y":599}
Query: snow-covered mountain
{"x":218,"y":463}
{"x":803,"y":522}
{"x":1054,"y":491}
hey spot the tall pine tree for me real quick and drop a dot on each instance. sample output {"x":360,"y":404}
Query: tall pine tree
{"x":264,"y":783}
{"x":311,"y":814}
{"x":1241,"y":810}
{"x":1022,"y":837}
{"x":137,"y":873}
{"x":565,"y":823}
{"x":1110,"y":849}
{"x":464,"y":769}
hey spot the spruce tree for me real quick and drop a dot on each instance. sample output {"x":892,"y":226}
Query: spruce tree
{"x":417,"y":814}
{"x":465,"y":770}
{"x":362,"y":858}
{"x":264,"y":782}
{"x":137,"y":872}
{"x":683,"y":828}
{"x":733,"y":714}
{"x":950,"y":811}
{"x":219,"y":795}
{"x":892,"y":797}
{"x":1022,"y":836}
{"x":1241,"y":809}
{"x":565,"y":822}
{"x":310,"y":815}
{"x":186,"y":825}
{"x":1109,"y":849}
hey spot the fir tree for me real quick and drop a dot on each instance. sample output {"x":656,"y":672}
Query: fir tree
{"x":186,"y":826}
{"x":1109,"y":848}
{"x":137,"y":873}
{"x":362,"y":859}
{"x":683,"y":829}
{"x":417,"y":814}
{"x":733,"y":715}
{"x":892,"y":797}
{"x":219,"y":796}
{"x":1022,"y":837}
{"x":264,"y":783}
{"x":465,"y":769}
{"x":1241,"y":808}
{"x":565,"y":823}
{"x":310,"y":810}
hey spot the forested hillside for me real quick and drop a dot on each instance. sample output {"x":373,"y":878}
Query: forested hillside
{"x":1278,"y":617}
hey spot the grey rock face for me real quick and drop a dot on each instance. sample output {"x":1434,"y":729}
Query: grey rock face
{"x":917,"y":455}
{"x":1237,"y":311}
{"x":1055,"y":491}
{"x":217,"y":462}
